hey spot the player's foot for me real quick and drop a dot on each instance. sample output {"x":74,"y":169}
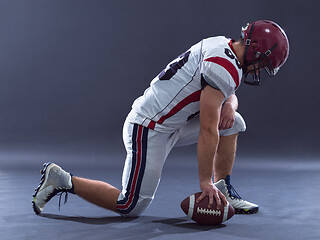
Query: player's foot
{"x":240,"y":206}
{"x":54,"y":180}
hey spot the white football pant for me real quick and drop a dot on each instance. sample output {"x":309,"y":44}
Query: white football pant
{"x":147,"y":151}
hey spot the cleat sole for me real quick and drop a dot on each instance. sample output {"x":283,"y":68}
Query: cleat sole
{"x":35,"y":208}
{"x":246,"y":211}
{"x":43,"y":172}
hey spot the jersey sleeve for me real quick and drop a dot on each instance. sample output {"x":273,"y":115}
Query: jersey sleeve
{"x":220,"y":73}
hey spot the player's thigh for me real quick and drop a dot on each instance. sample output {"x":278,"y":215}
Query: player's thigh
{"x":190,"y":132}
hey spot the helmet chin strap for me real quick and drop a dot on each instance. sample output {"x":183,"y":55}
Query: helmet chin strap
{"x":255,"y":77}
{"x":255,"y":72}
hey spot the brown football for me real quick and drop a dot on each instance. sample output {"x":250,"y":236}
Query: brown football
{"x":200,"y":213}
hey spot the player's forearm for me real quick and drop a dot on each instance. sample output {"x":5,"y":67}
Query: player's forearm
{"x":206,"y":150}
{"x":232,"y":101}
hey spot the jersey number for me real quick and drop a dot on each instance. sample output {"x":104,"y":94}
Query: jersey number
{"x":177,"y":64}
{"x":230,"y":55}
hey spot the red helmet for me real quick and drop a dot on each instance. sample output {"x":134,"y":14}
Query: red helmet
{"x":266,"y":44}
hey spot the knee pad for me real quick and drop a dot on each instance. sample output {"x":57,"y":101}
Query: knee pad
{"x":238,"y":126}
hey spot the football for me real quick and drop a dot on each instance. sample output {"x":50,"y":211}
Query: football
{"x":200,"y":213}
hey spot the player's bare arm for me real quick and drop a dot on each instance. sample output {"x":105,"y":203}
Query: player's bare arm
{"x":210,"y":107}
{"x":228,"y":112}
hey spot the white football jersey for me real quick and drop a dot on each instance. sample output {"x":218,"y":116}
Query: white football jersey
{"x":173,"y":96}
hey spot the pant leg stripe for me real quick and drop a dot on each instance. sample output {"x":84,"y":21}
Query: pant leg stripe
{"x":136,"y":175}
{"x":141,"y":172}
{"x":133,"y":164}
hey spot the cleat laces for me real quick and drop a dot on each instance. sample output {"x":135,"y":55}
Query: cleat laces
{"x":65,"y":197}
{"x":232,"y":192}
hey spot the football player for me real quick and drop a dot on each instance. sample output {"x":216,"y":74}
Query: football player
{"x":191,"y":101}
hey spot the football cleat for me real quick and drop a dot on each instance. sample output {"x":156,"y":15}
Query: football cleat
{"x":54,"y":180}
{"x":240,"y":205}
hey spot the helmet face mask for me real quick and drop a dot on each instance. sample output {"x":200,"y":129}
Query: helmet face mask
{"x":266,"y":47}
{"x":262,"y":62}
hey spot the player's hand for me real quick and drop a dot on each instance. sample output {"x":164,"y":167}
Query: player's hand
{"x":227,"y":117}
{"x":210,"y":190}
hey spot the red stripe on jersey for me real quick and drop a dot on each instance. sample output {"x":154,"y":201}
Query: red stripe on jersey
{"x":194,"y":97}
{"x":152,"y":124}
{"x":228,"y":66}
{"x":136,"y":171}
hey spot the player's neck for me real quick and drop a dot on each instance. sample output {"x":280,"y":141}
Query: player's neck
{"x":239,"y":48}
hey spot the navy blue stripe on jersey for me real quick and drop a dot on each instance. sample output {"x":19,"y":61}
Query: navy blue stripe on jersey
{"x":139,"y":156}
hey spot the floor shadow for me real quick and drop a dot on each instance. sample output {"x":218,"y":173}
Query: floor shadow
{"x":143,"y":227}
{"x":88,"y":220}
{"x":182,"y":222}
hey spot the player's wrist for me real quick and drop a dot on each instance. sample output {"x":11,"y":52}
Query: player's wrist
{"x":206,"y":182}
{"x":229,"y":105}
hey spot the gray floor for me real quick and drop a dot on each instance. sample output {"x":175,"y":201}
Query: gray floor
{"x":286,"y":190}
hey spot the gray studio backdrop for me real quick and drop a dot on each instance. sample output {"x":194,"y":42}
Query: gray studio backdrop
{"x":70,"y":70}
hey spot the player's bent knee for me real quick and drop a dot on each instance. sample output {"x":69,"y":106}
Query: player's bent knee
{"x":239,"y":123}
{"x":238,"y":126}
{"x":133,"y":207}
